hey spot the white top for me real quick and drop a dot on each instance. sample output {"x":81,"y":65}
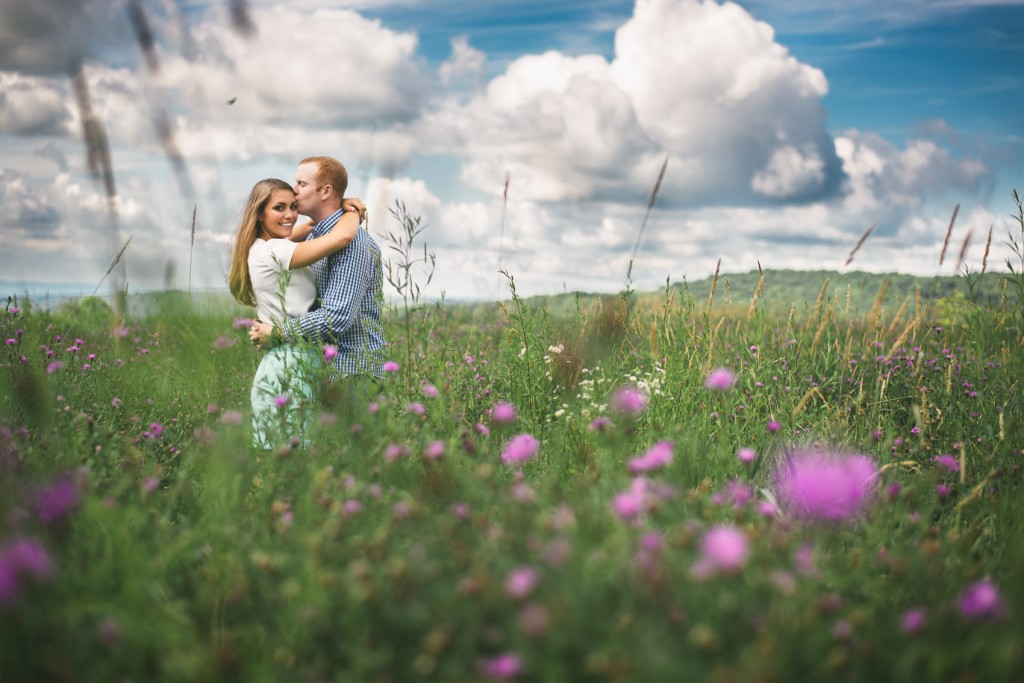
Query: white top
{"x":268,"y":270}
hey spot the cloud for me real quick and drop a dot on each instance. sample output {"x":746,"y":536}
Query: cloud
{"x":705,"y":83}
{"x":32,"y":106}
{"x":47,"y":37}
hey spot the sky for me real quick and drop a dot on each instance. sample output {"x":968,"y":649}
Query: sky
{"x":525,"y":136}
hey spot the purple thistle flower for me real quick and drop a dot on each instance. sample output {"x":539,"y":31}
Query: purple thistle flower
{"x":723,"y":549}
{"x":519,"y":449}
{"x":57,"y":500}
{"x":773,"y":427}
{"x":434,"y":450}
{"x":390,"y":366}
{"x":913,"y":620}
{"x":395,"y":451}
{"x":415,"y":408}
{"x":981,"y":600}
{"x":825,"y":486}
{"x":720,"y":379}
{"x":657,"y":457}
{"x":520,"y":582}
{"x":503,"y":413}
{"x":947,"y":462}
{"x":54,"y":367}
{"x":330,"y":352}
{"x":282,"y":401}
{"x":629,"y":400}
{"x":429,"y":390}
{"x":503,"y":667}
{"x":238,"y":323}
{"x":599,"y":424}
{"x":746,"y":455}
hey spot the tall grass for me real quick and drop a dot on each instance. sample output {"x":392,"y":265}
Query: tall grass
{"x":402,"y":547}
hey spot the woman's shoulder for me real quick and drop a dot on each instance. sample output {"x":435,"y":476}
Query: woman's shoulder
{"x":272,"y":249}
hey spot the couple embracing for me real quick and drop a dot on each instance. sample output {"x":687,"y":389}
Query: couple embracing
{"x":313,"y":283}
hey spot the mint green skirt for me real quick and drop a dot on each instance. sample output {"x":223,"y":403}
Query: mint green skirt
{"x":283,"y":394}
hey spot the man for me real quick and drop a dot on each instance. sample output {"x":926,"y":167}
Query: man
{"x":348,"y":284}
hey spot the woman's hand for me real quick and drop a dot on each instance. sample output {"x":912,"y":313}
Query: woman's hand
{"x":355,"y":205}
{"x":260,"y":333}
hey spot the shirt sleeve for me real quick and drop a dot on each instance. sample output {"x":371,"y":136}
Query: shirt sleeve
{"x":349,"y":277}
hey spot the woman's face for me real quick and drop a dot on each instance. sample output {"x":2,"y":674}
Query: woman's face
{"x":280,"y":215}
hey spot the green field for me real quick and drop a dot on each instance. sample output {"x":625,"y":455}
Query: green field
{"x":624,"y":539}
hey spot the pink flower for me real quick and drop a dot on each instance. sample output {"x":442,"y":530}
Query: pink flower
{"x":395,"y":451}
{"x":54,"y":367}
{"x":238,"y":323}
{"x":503,"y":667}
{"x":720,"y":379}
{"x":629,"y":400}
{"x":981,"y":600}
{"x":503,"y":413}
{"x":390,"y":366}
{"x":634,"y":502}
{"x":520,"y":449}
{"x":723,"y":549}
{"x":913,"y":620}
{"x":330,"y":352}
{"x":600,"y":424}
{"x":434,"y":450}
{"x":282,"y":401}
{"x":430,"y":391}
{"x":415,"y":408}
{"x":520,"y":582}
{"x":825,"y":486}
{"x":773,"y":427}
{"x":231,"y":417}
{"x":657,"y":457}
{"x":746,"y":455}
{"x":56,"y":501}
{"x":947,"y":462}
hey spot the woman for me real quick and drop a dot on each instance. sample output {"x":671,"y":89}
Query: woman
{"x":269,"y":270}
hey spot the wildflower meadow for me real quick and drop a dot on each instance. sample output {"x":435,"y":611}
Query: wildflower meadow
{"x":643,"y":488}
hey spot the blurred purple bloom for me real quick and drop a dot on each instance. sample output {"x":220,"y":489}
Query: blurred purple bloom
{"x":430,"y":391}
{"x":239,"y":323}
{"x":503,"y":667}
{"x":981,"y":600}
{"x":947,"y":462}
{"x":519,"y":449}
{"x":913,"y":620}
{"x":434,"y":450}
{"x":746,"y":455}
{"x":657,"y":457}
{"x":390,"y":366}
{"x":282,"y":401}
{"x":629,"y":400}
{"x":723,"y":549}
{"x":773,"y":427}
{"x":330,"y":352}
{"x":824,"y":486}
{"x":415,"y":408}
{"x":57,"y":500}
{"x":503,"y":413}
{"x":520,"y":582}
{"x":600,"y":424}
{"x":720,"y":379}
{"x":54,"y":367}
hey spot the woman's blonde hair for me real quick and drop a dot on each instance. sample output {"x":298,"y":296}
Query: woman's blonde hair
{"x":248,"y":230}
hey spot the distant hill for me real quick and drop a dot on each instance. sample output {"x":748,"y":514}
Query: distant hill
{"x":785,"y":287}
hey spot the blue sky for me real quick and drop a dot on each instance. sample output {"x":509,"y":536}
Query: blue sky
{"x":789,"y":126}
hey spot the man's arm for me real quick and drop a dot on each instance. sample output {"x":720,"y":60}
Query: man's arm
{"x":349,"y":278}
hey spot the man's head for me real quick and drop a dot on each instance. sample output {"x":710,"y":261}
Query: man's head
{"x":320,"y":185}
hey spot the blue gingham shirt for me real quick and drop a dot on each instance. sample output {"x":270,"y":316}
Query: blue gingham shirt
{"x":349,"y":286}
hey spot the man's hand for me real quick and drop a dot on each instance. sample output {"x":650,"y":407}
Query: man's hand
{"x":259,"y":333}
{"x":354,"y":204}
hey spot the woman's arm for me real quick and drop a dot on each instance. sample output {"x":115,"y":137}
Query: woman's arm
{"x":311,"y":251}
{"x":301,"y":231}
